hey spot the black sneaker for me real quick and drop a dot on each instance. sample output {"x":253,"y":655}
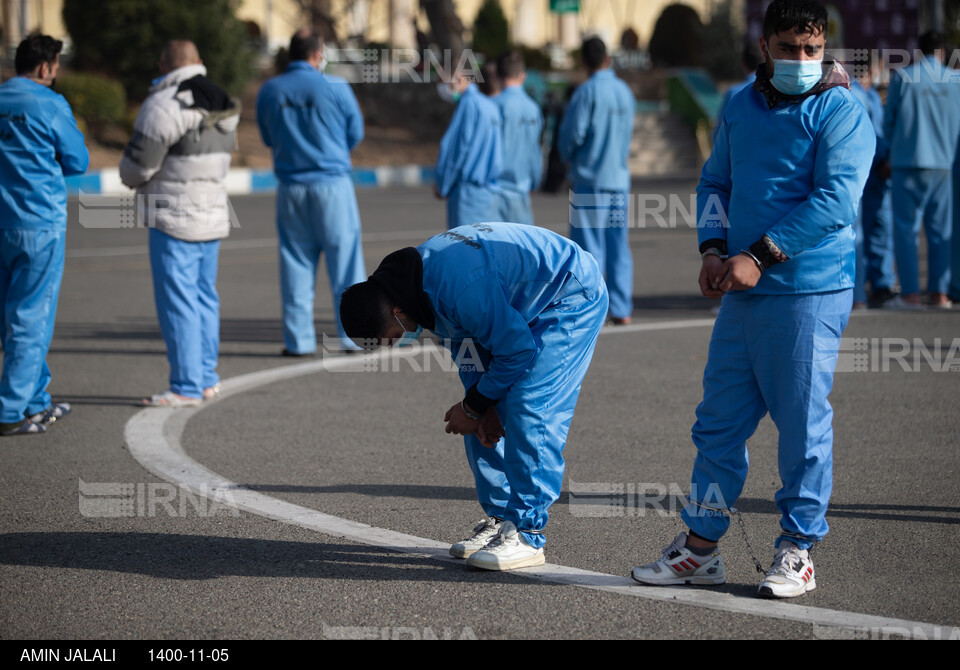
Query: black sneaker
{"x":879,"y":297}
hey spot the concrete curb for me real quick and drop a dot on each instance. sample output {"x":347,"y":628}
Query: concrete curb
{"x":243,"y":181}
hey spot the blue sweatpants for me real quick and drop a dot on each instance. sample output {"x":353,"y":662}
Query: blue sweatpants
{"x":955,"y":245}
{"x":515,"y":207}
{"x":777,"y":354}
{"x":188,"y":309}
{"x":598,"y":223}
{"x":874,"y":227}
{"x":470,"y":203}
{"x":922,"y":198}
{"x":313,"y":219}
{"x":522,"y":476}
{"x":31,"y":267}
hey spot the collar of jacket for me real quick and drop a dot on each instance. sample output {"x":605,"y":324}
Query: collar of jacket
{"x":833,"y":76}
{"x":176,"y":77}
{"x":302,"y":65}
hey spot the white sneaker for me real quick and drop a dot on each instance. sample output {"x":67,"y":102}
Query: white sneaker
{"x":483,"y":532}
{"x":679,"y":565}
{"x":791,"y":574}
{"x":507,"y":551}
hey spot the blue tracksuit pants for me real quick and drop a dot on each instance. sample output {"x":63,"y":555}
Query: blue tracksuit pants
{"x":922,"y":198}
{"x":470,"y":203}
{"x":955,"y":245}
{"x":874,"y":227}
{"x":313,"y":219}
{"x":188,"y":309}
{"x":522,"y":476}
{"x":515,"y":207}
{"x":777,"y":354}
{"x":31,"y":267}
{"x":598,"y":223}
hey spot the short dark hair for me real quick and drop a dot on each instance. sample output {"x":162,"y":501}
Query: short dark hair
{"x":805,"y":16}
{"x":35,"y":50}
{"x":930,"y":41}
{"x":593,"y":53}
{"x":510,"y":65}
{"x":489,"y":82}
{"x":304,"y":43}
{"x":365,"y":313}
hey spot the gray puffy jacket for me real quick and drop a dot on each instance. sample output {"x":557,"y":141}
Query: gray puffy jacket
{"x":178,"y":159}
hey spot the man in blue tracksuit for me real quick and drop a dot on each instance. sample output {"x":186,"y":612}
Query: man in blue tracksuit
{"x":522,"y":127}
{"x":312,"y":121}
{"x":776,"y":203}
{"x":39,"y":144}
{"x":595,"y":139}
{"x":922,"y":124}
{"x":520,"y":309}
{"x":874,"y":223}
{"x":470,"y":156}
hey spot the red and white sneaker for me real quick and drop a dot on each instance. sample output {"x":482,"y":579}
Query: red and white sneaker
{"x":791,"y":574}
{"x":679,"y":565}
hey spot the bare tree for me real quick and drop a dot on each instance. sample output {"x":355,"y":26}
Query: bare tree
{"x":445,"y":26}
{"x":319,"y":17}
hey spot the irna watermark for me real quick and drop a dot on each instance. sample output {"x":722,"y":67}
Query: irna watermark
{"x":115,"y":499}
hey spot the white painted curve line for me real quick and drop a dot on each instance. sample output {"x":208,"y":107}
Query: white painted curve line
{"x":153,"y":438}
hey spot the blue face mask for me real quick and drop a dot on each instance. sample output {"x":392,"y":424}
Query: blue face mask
{"x":796,"y":77}
{"x":408,"y":337}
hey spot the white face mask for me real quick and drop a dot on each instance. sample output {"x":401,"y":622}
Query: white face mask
{"x":447,"y":92}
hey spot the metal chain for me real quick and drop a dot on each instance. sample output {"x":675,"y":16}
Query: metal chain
{"x":743,"y":528}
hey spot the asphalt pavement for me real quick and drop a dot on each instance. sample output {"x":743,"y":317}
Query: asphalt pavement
{"x":94,"y":544}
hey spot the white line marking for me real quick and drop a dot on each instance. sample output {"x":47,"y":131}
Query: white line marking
{"x":153,"y":437}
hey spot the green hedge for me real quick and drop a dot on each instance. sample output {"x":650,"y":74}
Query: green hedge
{"x":124,"y":38}
{"x":96,"y":99}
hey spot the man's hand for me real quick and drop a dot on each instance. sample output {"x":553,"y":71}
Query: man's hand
{"x":739,"y":273}
{"x":459,"y":423}
{"x":710,"y":274}
{"x":490,"y":429}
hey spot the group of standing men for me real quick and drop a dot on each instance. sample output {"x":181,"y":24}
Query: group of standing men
{"x":490,"y":159}
{"x":913,"y":184}
{"x":792,"y":156}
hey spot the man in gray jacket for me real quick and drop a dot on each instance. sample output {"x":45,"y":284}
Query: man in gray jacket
{"x":177,"y":159}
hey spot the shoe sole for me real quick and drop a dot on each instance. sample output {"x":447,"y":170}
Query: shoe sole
{"x":462,"y":553}
{"x":767,"y":592}
{"x":529,"y":562}
{"x":681,"y":581}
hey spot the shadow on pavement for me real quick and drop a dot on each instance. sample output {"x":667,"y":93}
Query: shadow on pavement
{"x":198,"y":557}
{"x":377,"y":490}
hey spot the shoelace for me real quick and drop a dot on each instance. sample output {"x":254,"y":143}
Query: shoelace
{"x":479,"y":528}
{"x":786,"y":562}
{"x":674,"y":546}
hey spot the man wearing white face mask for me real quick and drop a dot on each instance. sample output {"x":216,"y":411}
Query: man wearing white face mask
{"x":776,"y":201}
{"x":470,"y":154}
